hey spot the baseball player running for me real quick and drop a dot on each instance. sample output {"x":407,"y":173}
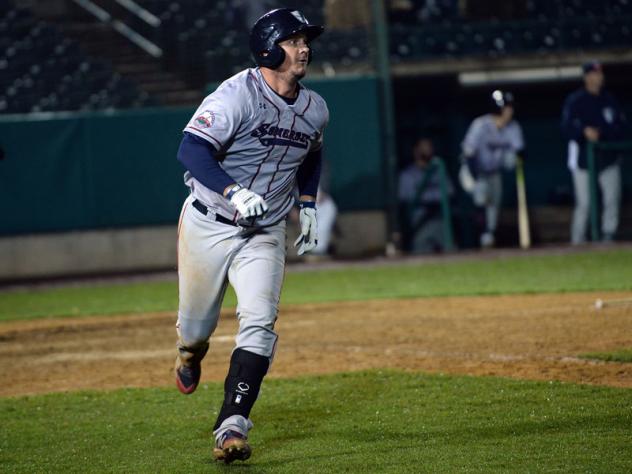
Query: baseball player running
{"x":491,"y":144}
{"x":246,"y":148}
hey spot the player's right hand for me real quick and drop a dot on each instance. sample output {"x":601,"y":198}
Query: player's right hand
{"x":591,"y":134}
{"x":248,"y":203}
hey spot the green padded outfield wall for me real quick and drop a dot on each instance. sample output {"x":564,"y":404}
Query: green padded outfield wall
{"x":353,"y":142}
{"x":87,"y":171}
{"x":75,"y":171}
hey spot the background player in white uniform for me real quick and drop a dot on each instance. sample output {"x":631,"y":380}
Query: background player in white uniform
{"x":491,"y":144}
{"x":246,"y":148}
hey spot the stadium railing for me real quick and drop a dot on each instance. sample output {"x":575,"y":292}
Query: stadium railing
{"x":437,"y":165}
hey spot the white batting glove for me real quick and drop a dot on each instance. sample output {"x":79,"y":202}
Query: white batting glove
{"x":248,"y":203}
{"x":509,"y":160}
{"x":309,"y":230}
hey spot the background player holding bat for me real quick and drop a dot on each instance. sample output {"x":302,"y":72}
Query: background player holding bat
{"x":493,"y":142}
{"x":246,"y":148}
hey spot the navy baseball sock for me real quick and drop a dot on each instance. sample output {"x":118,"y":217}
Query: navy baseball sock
{"x":242,"y":384}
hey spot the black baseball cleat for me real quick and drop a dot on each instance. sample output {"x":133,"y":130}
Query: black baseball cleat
{"x":233,"y":447}
{"x":187,"y":377}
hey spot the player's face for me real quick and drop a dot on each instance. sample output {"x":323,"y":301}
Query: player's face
{"x":423,"y":150}
{"x":296,"y":55}
{"x":507,"y":113}
{"x":594,"y":80}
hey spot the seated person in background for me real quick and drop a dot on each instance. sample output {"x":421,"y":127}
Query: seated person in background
{"x":491,"y":144}
{"x":419,"y":195}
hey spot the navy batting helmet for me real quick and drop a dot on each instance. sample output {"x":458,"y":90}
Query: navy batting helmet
{"x":273,"y":27}
{"x":500,"y":99}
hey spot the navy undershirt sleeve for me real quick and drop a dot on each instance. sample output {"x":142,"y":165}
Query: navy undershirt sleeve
{"x":198,"y":156}
{"x":571,"y":125}
{"x":308,"y":174}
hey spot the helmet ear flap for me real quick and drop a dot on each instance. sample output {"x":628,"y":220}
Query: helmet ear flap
{"x":277,"y":56}
{"x":273,"y":59}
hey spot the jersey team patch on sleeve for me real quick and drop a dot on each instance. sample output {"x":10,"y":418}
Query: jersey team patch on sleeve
{"x":205,"y":120}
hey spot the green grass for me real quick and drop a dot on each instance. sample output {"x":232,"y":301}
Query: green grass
{"x":621,"y":355}
{"x":358,"y":422}
{"x":527,"y":274}
{"x":88,"y":300}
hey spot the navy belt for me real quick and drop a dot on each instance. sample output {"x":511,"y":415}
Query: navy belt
{"x":204,"y":210}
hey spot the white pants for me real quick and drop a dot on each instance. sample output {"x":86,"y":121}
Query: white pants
{"x":211,"y":255}
{"x":610,"y":184}
{"x":488,"y":192}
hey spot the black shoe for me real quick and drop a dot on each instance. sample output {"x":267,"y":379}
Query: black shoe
{"x":188,"y":368}
{"x":187,"y":378}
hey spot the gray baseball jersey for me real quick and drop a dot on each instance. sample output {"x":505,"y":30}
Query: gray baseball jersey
{"x":490,"y":145}
{"x":261,"y":140}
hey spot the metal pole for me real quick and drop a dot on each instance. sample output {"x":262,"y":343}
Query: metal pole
{"x":592,"y":180}
{"x":446,"y":214}
{"x":388,"y":122}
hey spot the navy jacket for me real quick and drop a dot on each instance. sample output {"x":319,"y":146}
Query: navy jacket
{"x":583,"y":109}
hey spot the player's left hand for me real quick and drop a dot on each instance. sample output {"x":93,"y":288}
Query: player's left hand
{"x":309,"y":230}
{"x":509,"y":160}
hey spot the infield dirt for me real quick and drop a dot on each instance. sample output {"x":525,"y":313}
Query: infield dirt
{"x":536,"y":337}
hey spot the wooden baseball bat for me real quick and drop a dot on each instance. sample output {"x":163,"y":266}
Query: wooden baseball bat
{"x":523,"y":214}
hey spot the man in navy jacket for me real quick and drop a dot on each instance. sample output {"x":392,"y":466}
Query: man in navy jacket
{"x":591,"y":114}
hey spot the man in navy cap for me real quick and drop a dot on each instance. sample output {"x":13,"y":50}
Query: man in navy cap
{"x":591,"y":114}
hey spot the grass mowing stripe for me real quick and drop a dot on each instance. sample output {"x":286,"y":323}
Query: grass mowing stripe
{"x":377,"y":421}
{"x":621,"y":355}
{"x":84,"y":301}
{"x":542,"y":274}
{"x":529,"y":274}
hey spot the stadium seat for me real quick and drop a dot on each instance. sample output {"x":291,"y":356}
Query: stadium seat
{"x":41,"y":70}
{"x":206,"y":41}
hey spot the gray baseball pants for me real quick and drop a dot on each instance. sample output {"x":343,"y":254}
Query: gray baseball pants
{"x":210,"y":256}
{"x":488,"y":192}
{"x":610,"y":184}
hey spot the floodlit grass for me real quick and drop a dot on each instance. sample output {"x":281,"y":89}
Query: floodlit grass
{"x":377,"y":421}
{"x":622,"y":355}
{"x":358,"y":422}
{"x":527,"y":274}
{"x":89,"y":300}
